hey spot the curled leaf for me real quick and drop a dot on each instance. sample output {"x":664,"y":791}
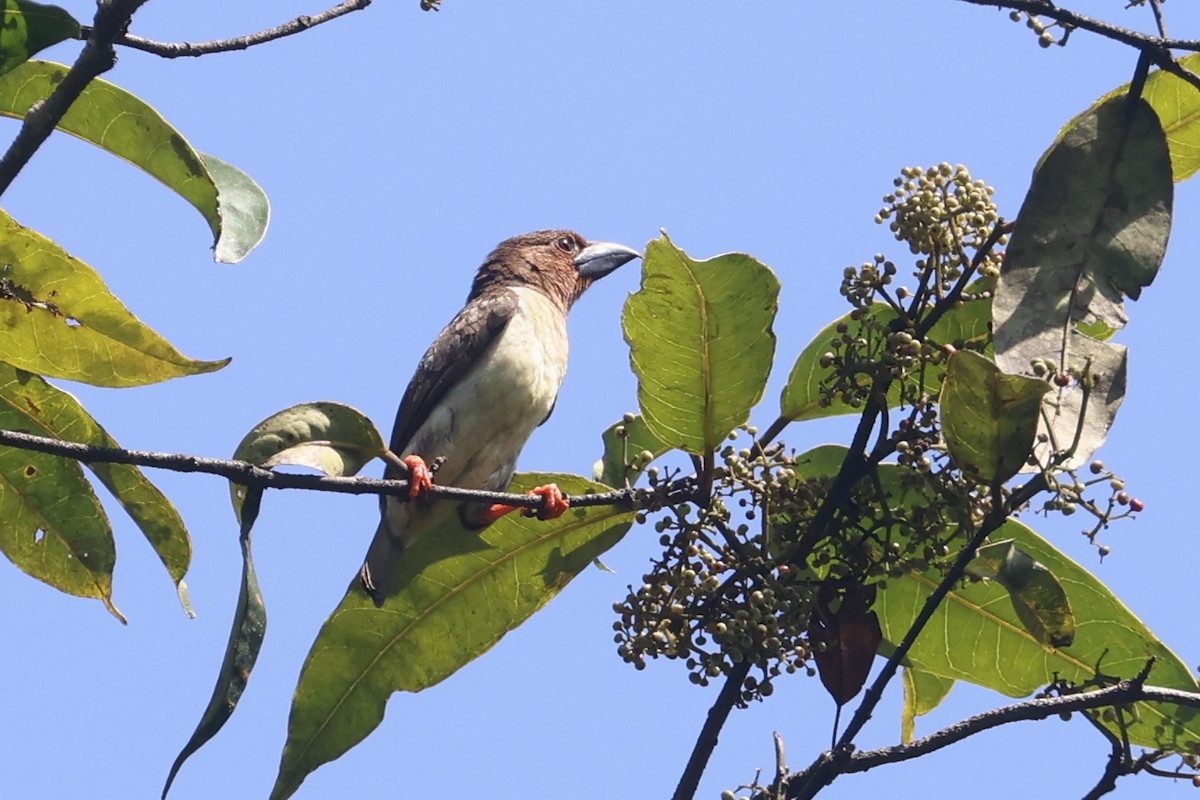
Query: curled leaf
{"x":1092,"y":230}
{"x":333,"y":438}
{"x":1037,"y":595}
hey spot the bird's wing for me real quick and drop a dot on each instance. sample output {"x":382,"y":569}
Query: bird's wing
{"x":448,"y":359}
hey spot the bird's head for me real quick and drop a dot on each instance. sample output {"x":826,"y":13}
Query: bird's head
{"x":561,"y":264}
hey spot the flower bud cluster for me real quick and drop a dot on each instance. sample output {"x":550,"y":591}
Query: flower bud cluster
{"x":944,"y":216}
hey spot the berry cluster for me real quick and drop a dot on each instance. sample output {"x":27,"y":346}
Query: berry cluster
{"x":1043,"y":30}
{"x":721,"y":593}
{"x":944,"y":216}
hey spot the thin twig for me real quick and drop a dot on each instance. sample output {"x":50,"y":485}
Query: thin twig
{"x":247,"y":474}
{"x":297,"y":25}
{"x":1066,"y":17}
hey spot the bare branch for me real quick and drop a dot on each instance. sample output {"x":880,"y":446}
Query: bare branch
{"x":97,"y":57}
{"x":297,"y":25}
{"x":1039,"y":708}
{"x":247,"y":474}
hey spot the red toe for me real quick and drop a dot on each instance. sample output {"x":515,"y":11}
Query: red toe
{"x":554,"y":504}
{"x":420,"y":480}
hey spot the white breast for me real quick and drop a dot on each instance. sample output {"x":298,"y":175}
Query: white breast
{"x":483,"y":422}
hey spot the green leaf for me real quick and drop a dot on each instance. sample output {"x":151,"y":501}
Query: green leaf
{"x":923,"y":692}
{"x":241,"y":653}
{"x":330,"y":437}
{"x":333,"y":438}
{"x":243,"y":211}
{"x":989,"y":419}
{"x":700,"y":342}
{"x":54,"y":528}
{"x":57,"y":318}
{"x":1038,"y":598}
{"x":1093,"y":229}
{"x":806,"y":396}
{"x":30,"y":27}
{"x":1177,"y":104}
{"x":479,"y":585}
{"x":28,"y":403}
{"x":976,"y":636}
{"x":116,"y":121}
{"x":621,"y":463}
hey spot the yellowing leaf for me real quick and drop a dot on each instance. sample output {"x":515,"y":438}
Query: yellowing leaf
{"x":30,"y":404}
{"x":57,"y":318}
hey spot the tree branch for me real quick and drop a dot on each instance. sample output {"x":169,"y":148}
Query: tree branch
{"x":706,"y":742}
{"x":1157,"y":48}
{"x":830,"y":764}
{"x":297,"y":25}
{"x":247,"y":474}
{"x":1066,"y":17}
{"x":1036,"y":709}
{"x":98,"y":56}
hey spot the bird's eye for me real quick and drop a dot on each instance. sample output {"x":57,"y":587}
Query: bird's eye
{"x":566,"y":244}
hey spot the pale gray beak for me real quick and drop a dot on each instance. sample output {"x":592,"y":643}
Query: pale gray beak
{"x":600,"y":258}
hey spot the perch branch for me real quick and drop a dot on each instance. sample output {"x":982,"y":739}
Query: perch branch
{"x":247,"y":474}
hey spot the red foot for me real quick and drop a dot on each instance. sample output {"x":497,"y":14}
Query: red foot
{"x":553,"y":507}
{"x":420,"y":480}
{"x":555,"y":502}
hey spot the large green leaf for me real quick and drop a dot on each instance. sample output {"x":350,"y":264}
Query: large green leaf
{"x":989,"y":419}
{"x":29,"y":27}
{"x":700,"y":343}
{"x":57,"y":318}
{"x":110,"y":118}
{"x":476,"y":586}
{"x":52,"y":526}
{"x":1177,"y":104}
{"x":1092,"y":230}
{"x":28,"y":403}
{"x":977,"y":636}
{"x":804,"y":397}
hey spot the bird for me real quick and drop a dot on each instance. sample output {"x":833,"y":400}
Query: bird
{"x":488,"y":380}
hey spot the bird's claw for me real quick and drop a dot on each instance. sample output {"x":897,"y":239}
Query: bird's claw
{"x":554,"y":502}
{"x":420,"y":479}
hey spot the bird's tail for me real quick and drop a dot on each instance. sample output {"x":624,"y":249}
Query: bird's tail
{"x":380,"y":567}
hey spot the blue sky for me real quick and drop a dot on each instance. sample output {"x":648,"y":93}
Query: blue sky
{"x":397,"y":148}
